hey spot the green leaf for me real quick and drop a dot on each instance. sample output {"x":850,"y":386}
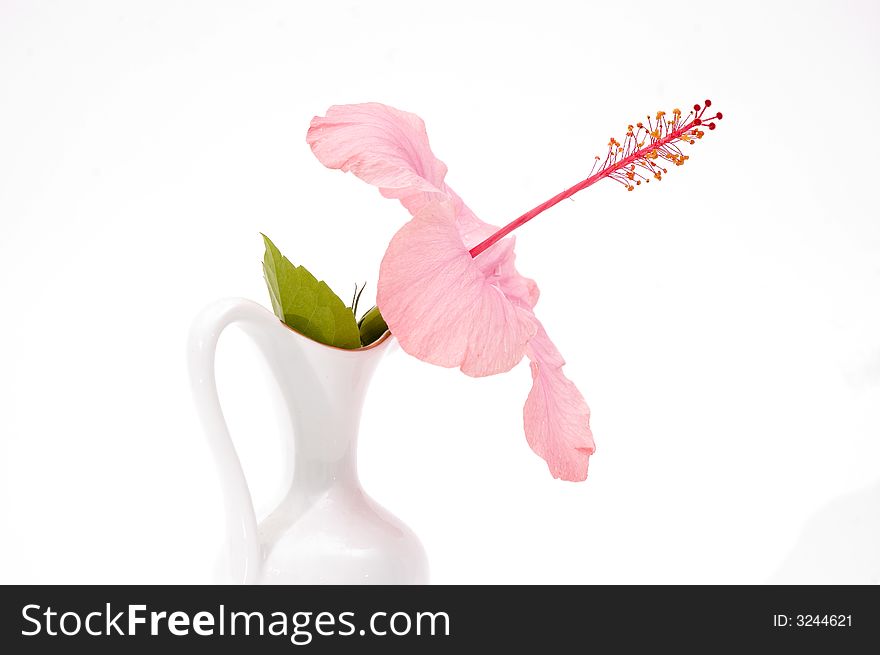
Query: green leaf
{"x":372,"y":326}
{"x":306,"y":304}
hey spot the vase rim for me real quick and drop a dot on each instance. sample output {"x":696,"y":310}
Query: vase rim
{"x":375,"y":344}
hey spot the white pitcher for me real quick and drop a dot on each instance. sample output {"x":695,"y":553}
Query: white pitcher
{"x":326,"y":530}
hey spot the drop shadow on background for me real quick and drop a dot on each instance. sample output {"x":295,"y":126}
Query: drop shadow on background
{"x":866,"y":374}
{"x":839,"y":544}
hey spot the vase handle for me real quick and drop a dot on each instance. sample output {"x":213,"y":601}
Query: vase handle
{"x":241,"y":521}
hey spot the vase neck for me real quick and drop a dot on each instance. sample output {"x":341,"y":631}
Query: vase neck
{"x":323,"y":449}
{"x":324,"y":390}
{"x":319,"y":475}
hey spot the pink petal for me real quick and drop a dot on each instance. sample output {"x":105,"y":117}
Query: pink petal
{"x":441,"y":306}
{"x":497,"y":263}
{"x":389,"y":148}
{"x":556,"y":416}
{"x":383,"y":146}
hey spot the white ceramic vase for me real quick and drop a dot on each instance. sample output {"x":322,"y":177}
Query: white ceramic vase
{"x":327,"y":530}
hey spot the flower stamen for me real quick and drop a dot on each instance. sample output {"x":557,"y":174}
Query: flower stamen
{"x":632,"y":162}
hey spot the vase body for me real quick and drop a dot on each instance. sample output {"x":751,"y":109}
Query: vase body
{"x":326,"y":530}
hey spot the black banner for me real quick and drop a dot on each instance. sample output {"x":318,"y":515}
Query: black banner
{"x":111,"y":619}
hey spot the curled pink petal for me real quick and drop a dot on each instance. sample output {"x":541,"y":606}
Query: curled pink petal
{"x":389,"y":148}
{"x":556,"y":416}
{"x":383,"y":146}
{"x":441,"y":306}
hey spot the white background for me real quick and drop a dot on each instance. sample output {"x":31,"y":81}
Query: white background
{"x":723,"y":325}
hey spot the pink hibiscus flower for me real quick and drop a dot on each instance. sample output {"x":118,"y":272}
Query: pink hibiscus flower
{"x":448,"y":287}
{"x":444,"y":306}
